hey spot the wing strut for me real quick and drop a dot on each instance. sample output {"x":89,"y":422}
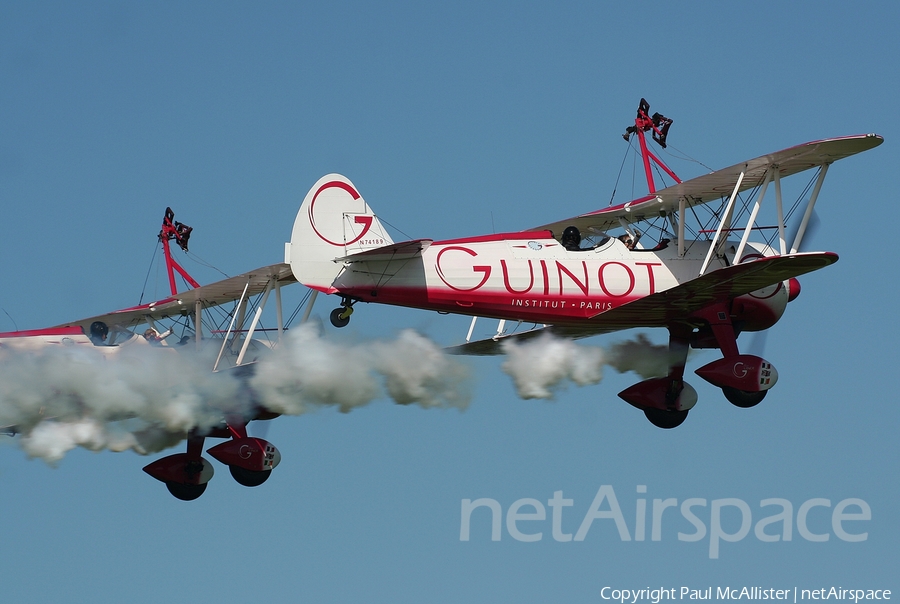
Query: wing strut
{"x":255,"y":322}
{"x":309,"y":306}
{"x":776,"y":174}
{"x":230,"y":327}
{"x":753,"y":214}
{"x":501,"y":329}
{"x":773,"y":175}
{"x":198,"y":322}
{"x":809,"y":209}
{"x":724,"y":225}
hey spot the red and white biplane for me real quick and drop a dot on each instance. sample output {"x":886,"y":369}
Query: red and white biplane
{"x":200,"y":316}
{"x":704,"y":281}
{"x":701,"y":279}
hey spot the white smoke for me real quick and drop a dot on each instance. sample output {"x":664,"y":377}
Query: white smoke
{"x":306,"y":371}
{"x":138,"y":398}
{"x":641,"y":356}
{"x":541,"y":366}
{"x":147,"y":399}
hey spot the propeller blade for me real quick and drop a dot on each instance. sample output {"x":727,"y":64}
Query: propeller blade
{"x":757,"y":344}
{"x":809,"y":235}
{"x":259,"y":428}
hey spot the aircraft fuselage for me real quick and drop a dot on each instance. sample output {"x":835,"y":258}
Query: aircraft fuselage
{"x":525,"y":276}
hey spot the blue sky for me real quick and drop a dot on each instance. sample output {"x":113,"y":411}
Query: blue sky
{"x":452,"y":120}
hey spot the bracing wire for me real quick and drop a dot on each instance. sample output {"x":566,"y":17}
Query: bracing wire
{"x":394,"y":227}
{"x":16,"y":325}
{"x":619,"y":175}
{"x":147,"y":278}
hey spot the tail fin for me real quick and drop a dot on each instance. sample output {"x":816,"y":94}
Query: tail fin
{"x":334,"y":221}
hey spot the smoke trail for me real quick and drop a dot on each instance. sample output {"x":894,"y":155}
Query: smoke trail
{"x":146,"y":399}
{"x":546,"y":364}
{"x":306,"y":371}
{"x":641,"y":356}
{"x":138,"y":398}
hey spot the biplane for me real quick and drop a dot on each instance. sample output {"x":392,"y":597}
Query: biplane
{"x":190,"y":312}
{"x":653,"y":262}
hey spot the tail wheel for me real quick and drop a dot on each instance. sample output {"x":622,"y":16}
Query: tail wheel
{"x":249,"y":478}
{"x":340,"y":317}
{"x":185,"y":492}
{"x":742,"y":398}
{"x":665,"y":419}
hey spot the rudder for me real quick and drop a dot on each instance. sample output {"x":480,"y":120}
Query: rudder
{"x":334,"y":221}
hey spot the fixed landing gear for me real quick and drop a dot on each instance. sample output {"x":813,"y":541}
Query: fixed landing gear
{"x":250,"y":460}
{"x":743,"y":378}
{"x":742,"y":398}
{"x":666,"y":401}
{"x":340,"y":316}
{"x":184,"y":474}
{"x":665,"y":419}
{"x":186,"y":492}
{"x":249,"y":478}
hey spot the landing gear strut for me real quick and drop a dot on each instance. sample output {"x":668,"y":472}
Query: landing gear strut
{"x":744,"y":378}
{"x":666,"y":401}
{"x":340,"y":316}
{"x":250,"y":460}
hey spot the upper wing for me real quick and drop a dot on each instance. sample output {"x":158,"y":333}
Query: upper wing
{"x":714,"y":185}
{"x":662,"y":308}
{"x":220,"y":292}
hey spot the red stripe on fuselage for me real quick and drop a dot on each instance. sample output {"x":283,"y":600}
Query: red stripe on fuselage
{"x":565,"y":309}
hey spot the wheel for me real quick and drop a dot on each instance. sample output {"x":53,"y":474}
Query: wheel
{"x":186,"y":492}
{"x":665,"y":419}
{"x":249,"y":478}
{"x":337,"y":318}
{"x":742,"y":398}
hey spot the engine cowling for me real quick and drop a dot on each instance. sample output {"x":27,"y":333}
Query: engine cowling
{"x":743,"y":372}
{"x":254,"y":454}
{"x":762,"y":308}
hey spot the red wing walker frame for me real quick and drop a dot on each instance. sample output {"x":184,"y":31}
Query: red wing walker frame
{"x":691,"y":266}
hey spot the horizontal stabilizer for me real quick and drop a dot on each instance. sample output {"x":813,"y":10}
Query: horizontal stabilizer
{"x":395,"y":251}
